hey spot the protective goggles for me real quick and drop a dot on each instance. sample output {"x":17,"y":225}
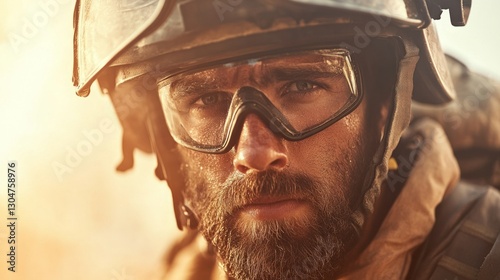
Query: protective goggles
{"x":296,"y":95}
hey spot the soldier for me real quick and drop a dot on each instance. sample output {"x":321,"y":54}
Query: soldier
{"x":283,"y":130}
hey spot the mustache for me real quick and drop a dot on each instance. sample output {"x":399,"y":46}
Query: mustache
{"x":239,"y":190}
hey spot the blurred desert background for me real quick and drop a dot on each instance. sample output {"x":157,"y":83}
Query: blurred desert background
{"x":91,"y":222}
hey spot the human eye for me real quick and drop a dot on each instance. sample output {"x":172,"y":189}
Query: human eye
{"x":305,"y":94}
{"x":302,"y":91}
{"x":212,"y":101}
{"x":298,"y":87}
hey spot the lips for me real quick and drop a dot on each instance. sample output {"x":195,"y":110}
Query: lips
{"x":275,"y":208}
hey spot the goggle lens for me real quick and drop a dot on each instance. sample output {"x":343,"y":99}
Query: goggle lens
{"x":299,"y":94}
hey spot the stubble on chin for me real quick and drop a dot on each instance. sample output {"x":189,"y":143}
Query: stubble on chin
{"x":310,"y":246}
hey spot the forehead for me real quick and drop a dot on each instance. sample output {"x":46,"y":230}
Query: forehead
{"x":328,"y":60}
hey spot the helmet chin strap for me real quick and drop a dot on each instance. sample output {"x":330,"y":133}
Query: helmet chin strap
{"x":398,"y":121}
{"x":169,"y":162}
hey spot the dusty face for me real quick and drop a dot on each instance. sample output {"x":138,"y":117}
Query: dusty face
{"x":276,"y":209}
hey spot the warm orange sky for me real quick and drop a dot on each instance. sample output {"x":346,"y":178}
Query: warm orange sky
{"x":88,"y":222}
{"x":92,"y":223}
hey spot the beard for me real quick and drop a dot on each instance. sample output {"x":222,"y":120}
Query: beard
{"x":296,"y":248}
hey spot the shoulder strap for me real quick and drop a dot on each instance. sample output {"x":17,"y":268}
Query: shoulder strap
{"x":491,"y":265}
{"x":464,"y":243}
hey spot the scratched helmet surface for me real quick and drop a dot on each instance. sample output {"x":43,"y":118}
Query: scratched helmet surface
{"x":126,"y":35}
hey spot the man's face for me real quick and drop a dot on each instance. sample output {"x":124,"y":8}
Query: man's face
{"x":276,"y":209}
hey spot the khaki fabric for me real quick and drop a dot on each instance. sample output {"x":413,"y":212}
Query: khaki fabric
{"x":411,"y":217}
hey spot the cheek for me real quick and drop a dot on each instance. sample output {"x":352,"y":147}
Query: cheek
{"x":331,"y":148}
{"x":213,"y":169}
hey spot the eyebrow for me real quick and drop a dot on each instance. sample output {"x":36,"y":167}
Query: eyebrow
{"x":190,"y":85}
{"x":290,"y":73}
{"x":187,"y":86}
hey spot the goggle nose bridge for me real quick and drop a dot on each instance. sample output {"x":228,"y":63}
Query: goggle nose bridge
{"x":249,"y":100}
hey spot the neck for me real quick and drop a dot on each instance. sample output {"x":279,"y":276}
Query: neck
{"x":371,"y":226}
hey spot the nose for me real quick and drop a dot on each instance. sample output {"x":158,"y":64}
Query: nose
{"x":258,"y":148}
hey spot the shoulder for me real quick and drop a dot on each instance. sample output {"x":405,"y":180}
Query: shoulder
{"x":465,"y":240}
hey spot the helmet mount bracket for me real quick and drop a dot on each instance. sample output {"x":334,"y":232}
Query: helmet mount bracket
{"x":459,"y":10}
